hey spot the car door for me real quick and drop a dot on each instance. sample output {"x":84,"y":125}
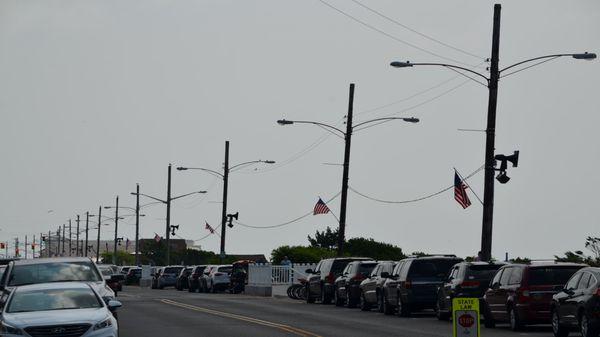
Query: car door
{"x":568,"y":303}
{"x":447,"y":289}
{"x":495,"y":296}
{"x":369,"y":284}
{"x":314,"y":281}
{"x":342,"y":280}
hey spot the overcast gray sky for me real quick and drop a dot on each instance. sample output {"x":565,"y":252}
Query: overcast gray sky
{"x":96,"y":96}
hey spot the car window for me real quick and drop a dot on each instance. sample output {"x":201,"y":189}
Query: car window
{"x":347,"y":269}
{"x":584,"y":281}
{"x":551,"y":275}
{"x":593,"y":281}
{"x":376,"y":271}
{"x":398,"y":268}
{"x":366,"y":268}
{"x":515,"y":276}
{"x":572,"y":283}
{"x":318,"y":267}
{"x":338,"y":266}
{"x":453,"y":273}
{"x":431,"y":268}
{"x":226,"y":269}
{"x":482,"y":272}
{"x":404,"y":270}
{"x":172,"y":270}
{"x":506,"y":276}
{"x":53,"y":272}
{"x":498,"y":276}
{"x":53,"y":299}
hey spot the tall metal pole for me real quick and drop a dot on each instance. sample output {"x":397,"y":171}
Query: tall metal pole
{"x":33,"y":248}
{"x":137,"y":225}
{"x":344,"y":200}
{"x":168,"y":222}
{"x":98,"y":239}
{"x":58,"y":242}
{"x":17,"y":253}
{"x":114,"y":257}
{"x":224,"y":209}
{"x":70,"y":238}
{"x":49,"y":244}
{"x":87,"y":222}
{"x":25,"y":247}
{"x":77,"y":235}
{"x":490,"y":162}
{"x":63,"y":240}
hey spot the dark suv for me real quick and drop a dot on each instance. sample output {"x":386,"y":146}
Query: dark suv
{"x":319,"y":282}
{"x":194,"y":282}
{"x":578,"y":305}
{"x":522,"y":293}
{"x":346,"y":287}
{"x":466,"y":279}
{"x":371,"y":287}
{"x":181,"y":282}
{"x":414,"y":283}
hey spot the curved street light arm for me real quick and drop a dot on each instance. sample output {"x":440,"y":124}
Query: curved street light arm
{"x":123,"y":207}
{"x":411,"y":120}
{"x":201,"y":169}
{"x":185,"y":195}
{"x":408,"y":64}
{"x":321,"y":124}
{"x":252,"y":162}
{"x":542,"y":57}
{"x":149,"y":196}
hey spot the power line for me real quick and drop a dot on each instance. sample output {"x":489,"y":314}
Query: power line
{"x":390,"y":35}
{"x":285,"y":223}
{"x":416,"y":199}
{"x":417,"y":32}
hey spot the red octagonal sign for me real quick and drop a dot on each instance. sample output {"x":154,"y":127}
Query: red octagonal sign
{"x":466,"y":320}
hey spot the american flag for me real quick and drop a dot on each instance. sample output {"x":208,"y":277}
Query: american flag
{"x":209,"y":227}
{"x":460,"y":192}
{"x":157,"y":237}
{"x":320,"y":208}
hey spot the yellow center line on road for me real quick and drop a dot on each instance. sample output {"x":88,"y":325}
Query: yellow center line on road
{"x":287,"y":328}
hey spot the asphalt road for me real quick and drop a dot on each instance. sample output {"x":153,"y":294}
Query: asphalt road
{"x":172,"y":313}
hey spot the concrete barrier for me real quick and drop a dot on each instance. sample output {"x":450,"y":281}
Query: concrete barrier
{"x":256,"y":290}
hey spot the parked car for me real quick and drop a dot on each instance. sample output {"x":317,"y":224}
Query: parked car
{"x":239,"y":276}
{"x":466,"y":279}
{"x":58,"y":309}
{"x":167,"y":276}
{"x":371,"y":287}
{"x":578,"y":305}
{"x":2,"y":269}
{"x":219,"y":278}
{"x":43,"y":270}
{"x":194,"y":279}
{"x":181,"y":282}
{"x":125,"y":269}
{"x":414,"y":283}
{"x":346,"y":289}
{"x":320,"y":282}
{"x":133,"y":276}
{"x":522,"y":293}
{"x":155,"y":275}
{"x":113,"y":280}
{"x":205,"y":277}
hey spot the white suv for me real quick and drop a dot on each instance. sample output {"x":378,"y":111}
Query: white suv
{"x":218,"y":278}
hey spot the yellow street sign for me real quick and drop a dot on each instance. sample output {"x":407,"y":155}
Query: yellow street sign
{"x":465,"y":317}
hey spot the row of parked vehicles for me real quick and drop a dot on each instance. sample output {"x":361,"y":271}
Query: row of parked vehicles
{"x":202,"y":278}
{"x":565,"y":295}
{"x":56,"y":297}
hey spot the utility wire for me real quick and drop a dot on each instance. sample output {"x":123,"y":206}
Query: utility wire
{"x":533,"y":65}
{"x":416,"y":199}
{"x":417,"y":32}
{"x":390,"y":35}
{"x":285,"y":223}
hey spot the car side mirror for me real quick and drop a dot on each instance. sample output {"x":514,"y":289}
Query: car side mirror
{"x":385,"y":274}
{"x":114,"y":305}
{"x":308,"y":271}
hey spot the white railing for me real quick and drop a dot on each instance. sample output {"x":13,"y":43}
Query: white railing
{"x":269,"y":275}
{"x":259,"y":275}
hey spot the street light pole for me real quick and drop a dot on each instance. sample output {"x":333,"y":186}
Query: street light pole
{"x":87,"y":222}
{"x":98,"y":238}
{"x":77,"y":235}
{"x":224,"y":206}
{"x":344,"y":197}
{"x":70,"y":238}
{"x":114,"y":257}
{"x":63,"y":240}
{"x":137,"y":225}
{"x":168,"y":220}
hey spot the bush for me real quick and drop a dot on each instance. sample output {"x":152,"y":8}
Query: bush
{"x":362,"y":247}
{"x":301,"y":254}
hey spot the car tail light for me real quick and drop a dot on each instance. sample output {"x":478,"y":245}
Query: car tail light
{"x":330,"y":278}
{"x":470,"y":284}
{"x":359,"y":277}
{"x":523,"y":294}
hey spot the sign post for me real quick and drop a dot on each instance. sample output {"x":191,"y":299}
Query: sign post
{"x":465,"y":317}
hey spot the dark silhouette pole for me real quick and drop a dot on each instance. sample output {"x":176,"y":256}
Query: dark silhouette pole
{"x":137,"y":225}
{"x":344,"y":197}
{"x":98,"y":239}
{"x":70,"y":238}
{"x":224,"y":206}
{"x":168,"y":222}
{"x":87,"y":228}
{"x":114,"y":258}
{"x":77,"y":235}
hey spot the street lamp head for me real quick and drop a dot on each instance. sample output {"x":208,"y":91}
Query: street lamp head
{"x":181,"y":168}
{"x":398,"y":64}
{"x":411,"y":120}
{"x":585,"y":56}
{"x":133,"y":193}
{"x":284,"y":122}
{"x":107,"y":207}
{"x":268,"y":161}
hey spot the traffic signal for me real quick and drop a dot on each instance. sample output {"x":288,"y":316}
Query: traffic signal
{"x":2,"y":245}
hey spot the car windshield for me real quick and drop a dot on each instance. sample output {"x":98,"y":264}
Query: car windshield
{"x":551,"y":275}
{"x":366,"y":268}
{"x":225,"y":269}
{"x":53,"y":299}
{"x":482,"y":272}
{"x":437,"y":269}
{"x":53,"y":272}
{"x":172,"y":270}
{"x":106,"y":271}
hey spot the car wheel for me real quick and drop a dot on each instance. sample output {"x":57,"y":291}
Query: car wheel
{"x":325,"y":299}
{"x":558,"y":329}
{"x":336,"y":298}
{"x":387,"y":308}
{"x":586,"y":327}
{"x":441,"y":315}
{"x":514,"y":320}
{"x":488,"y":319}
{"x":309,"y":298}
{"x":364,"y":306}
{"x":379,"y":302}
{"x":403,"y":309}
